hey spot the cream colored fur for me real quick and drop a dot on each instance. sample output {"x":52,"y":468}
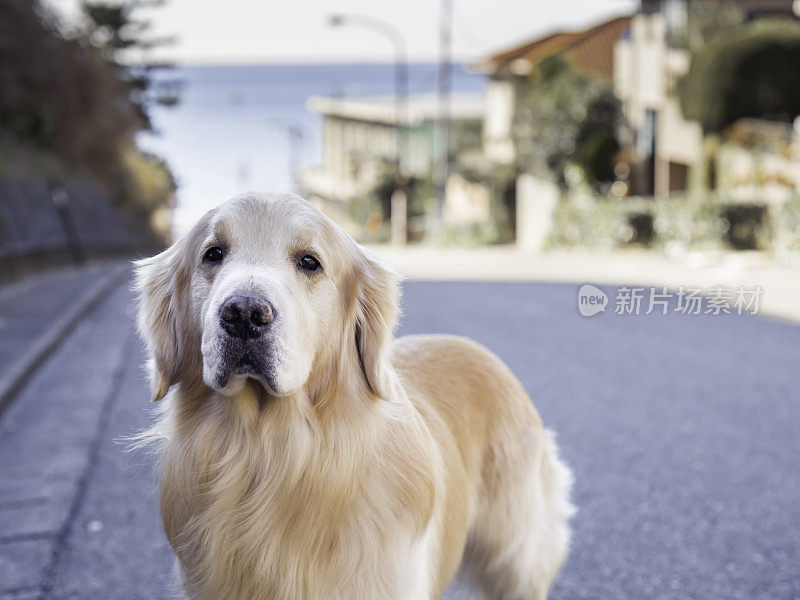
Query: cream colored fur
{"x":374,"y":467}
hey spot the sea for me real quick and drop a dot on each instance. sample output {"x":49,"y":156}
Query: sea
{"x":230,"y":132}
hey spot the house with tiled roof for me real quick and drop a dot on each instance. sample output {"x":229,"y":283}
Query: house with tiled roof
{"x":643,"y":57}
{"x":649,"y":61}
{"x":590,"y":51}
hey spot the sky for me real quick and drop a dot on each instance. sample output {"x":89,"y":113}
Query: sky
{"x":257,"y":31}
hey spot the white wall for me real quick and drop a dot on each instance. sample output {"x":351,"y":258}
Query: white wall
{"x":466,"y":203}
{"x":640,"y":74}
{"x":498,"y":120}
{"x":678,"y":140}
{"x":536,"y":201}
{"x":645,"y":73}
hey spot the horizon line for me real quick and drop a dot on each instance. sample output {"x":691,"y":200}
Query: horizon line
{"x":304,"y":62}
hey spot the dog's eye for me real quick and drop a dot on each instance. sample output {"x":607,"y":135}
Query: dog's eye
{"x":309,"y":263}
{"x":213,"y":255}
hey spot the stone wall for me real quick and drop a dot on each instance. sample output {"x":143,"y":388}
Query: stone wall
{"x":44,"y":223}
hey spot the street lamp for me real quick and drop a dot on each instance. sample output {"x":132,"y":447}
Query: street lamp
{"x":296,"y":136}
{"x":399,"y":199}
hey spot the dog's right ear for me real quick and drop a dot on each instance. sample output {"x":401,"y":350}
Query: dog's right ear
{"x":162,"y":282}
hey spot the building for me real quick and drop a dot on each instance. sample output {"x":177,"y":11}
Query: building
{"x":676,"y":11}
{"x":361,"y":139}
{"x":590,"y":51}
{"x":646,"y":72}
{"x":649,"y":60}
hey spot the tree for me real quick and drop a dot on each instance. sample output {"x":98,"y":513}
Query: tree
{"x":750,"y":71}
{"x":118,"y":31}
{"x":71,"y":100}
{"x":57,"y":94}
{"x":565,"y":117}
{"x":704,"y":20}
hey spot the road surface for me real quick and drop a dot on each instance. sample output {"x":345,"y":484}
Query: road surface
{"x":683,"y":433}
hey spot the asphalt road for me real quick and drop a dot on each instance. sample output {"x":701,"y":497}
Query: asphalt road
{"x":683,"y":433}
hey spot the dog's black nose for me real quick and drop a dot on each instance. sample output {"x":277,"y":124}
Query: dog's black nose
{"x":245,"y":316}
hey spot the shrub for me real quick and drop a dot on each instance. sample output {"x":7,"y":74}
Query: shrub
{"x":565,"y":117}
{"x":676,"y":224}
{"x":69,"y":105}
{"x":787,"y":228}
{"x":750,"y":71}
{"x":595,"y":223}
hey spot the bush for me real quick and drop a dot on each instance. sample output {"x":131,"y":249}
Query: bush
{"x":565,"y":117}
{"x":787,"y":228}
{"x":684,"y":222}
{"x":57,"y":94}
{"x":597,"y":224}
{"x":750,"y":71}
{"x":675,"y":224}
{"x":67,"y":105}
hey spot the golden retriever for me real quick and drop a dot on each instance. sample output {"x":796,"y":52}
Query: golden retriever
{"x":308,"y":456}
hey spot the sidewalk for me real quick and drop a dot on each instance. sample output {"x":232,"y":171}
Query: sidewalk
{"x":50,"y":439}
{"x":780,"y":283}
{"x":37,"y":313}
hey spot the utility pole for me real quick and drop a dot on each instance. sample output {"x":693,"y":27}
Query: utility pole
{"x":294,"y":132}
{"x":295,"y":135}
{"x":443,"y":97}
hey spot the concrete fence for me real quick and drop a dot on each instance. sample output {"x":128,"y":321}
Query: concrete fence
{"x":46,"y":223}
{"x":537,"y":200}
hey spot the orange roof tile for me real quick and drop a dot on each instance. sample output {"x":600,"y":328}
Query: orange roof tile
{"x":590,"y":50}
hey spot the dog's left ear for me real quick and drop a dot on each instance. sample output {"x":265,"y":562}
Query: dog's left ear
{"x":377,"y":309}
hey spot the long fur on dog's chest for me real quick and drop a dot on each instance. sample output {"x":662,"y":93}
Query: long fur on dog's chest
{"x":285,"y":501}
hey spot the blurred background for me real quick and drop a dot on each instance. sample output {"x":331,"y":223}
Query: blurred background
{"x":666,"y":125}
{"x":496,"y":154}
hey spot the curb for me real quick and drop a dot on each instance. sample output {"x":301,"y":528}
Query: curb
{"x":19,"y":374}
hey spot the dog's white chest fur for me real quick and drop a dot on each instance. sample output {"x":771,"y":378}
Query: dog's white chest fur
{"x":289,"y":511}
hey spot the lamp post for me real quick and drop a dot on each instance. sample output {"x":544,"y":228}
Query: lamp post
{"x":399,"y":197}
{"x":296,"y":136}
{"x":444,"y":86}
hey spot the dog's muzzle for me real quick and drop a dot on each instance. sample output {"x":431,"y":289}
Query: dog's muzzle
{"x":246,"y":340}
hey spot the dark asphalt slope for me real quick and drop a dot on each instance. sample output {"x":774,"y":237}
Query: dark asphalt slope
{"x":683,"y":433}
{"x":116,"y":549}
{"x":48,"y":438}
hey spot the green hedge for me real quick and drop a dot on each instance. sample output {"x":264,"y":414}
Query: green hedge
{"x":681,"y":222}
{"x":788,"y":228}
{"x":749,"y":71}
{"x":595,"y":224}
{"x":685,"y":222}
